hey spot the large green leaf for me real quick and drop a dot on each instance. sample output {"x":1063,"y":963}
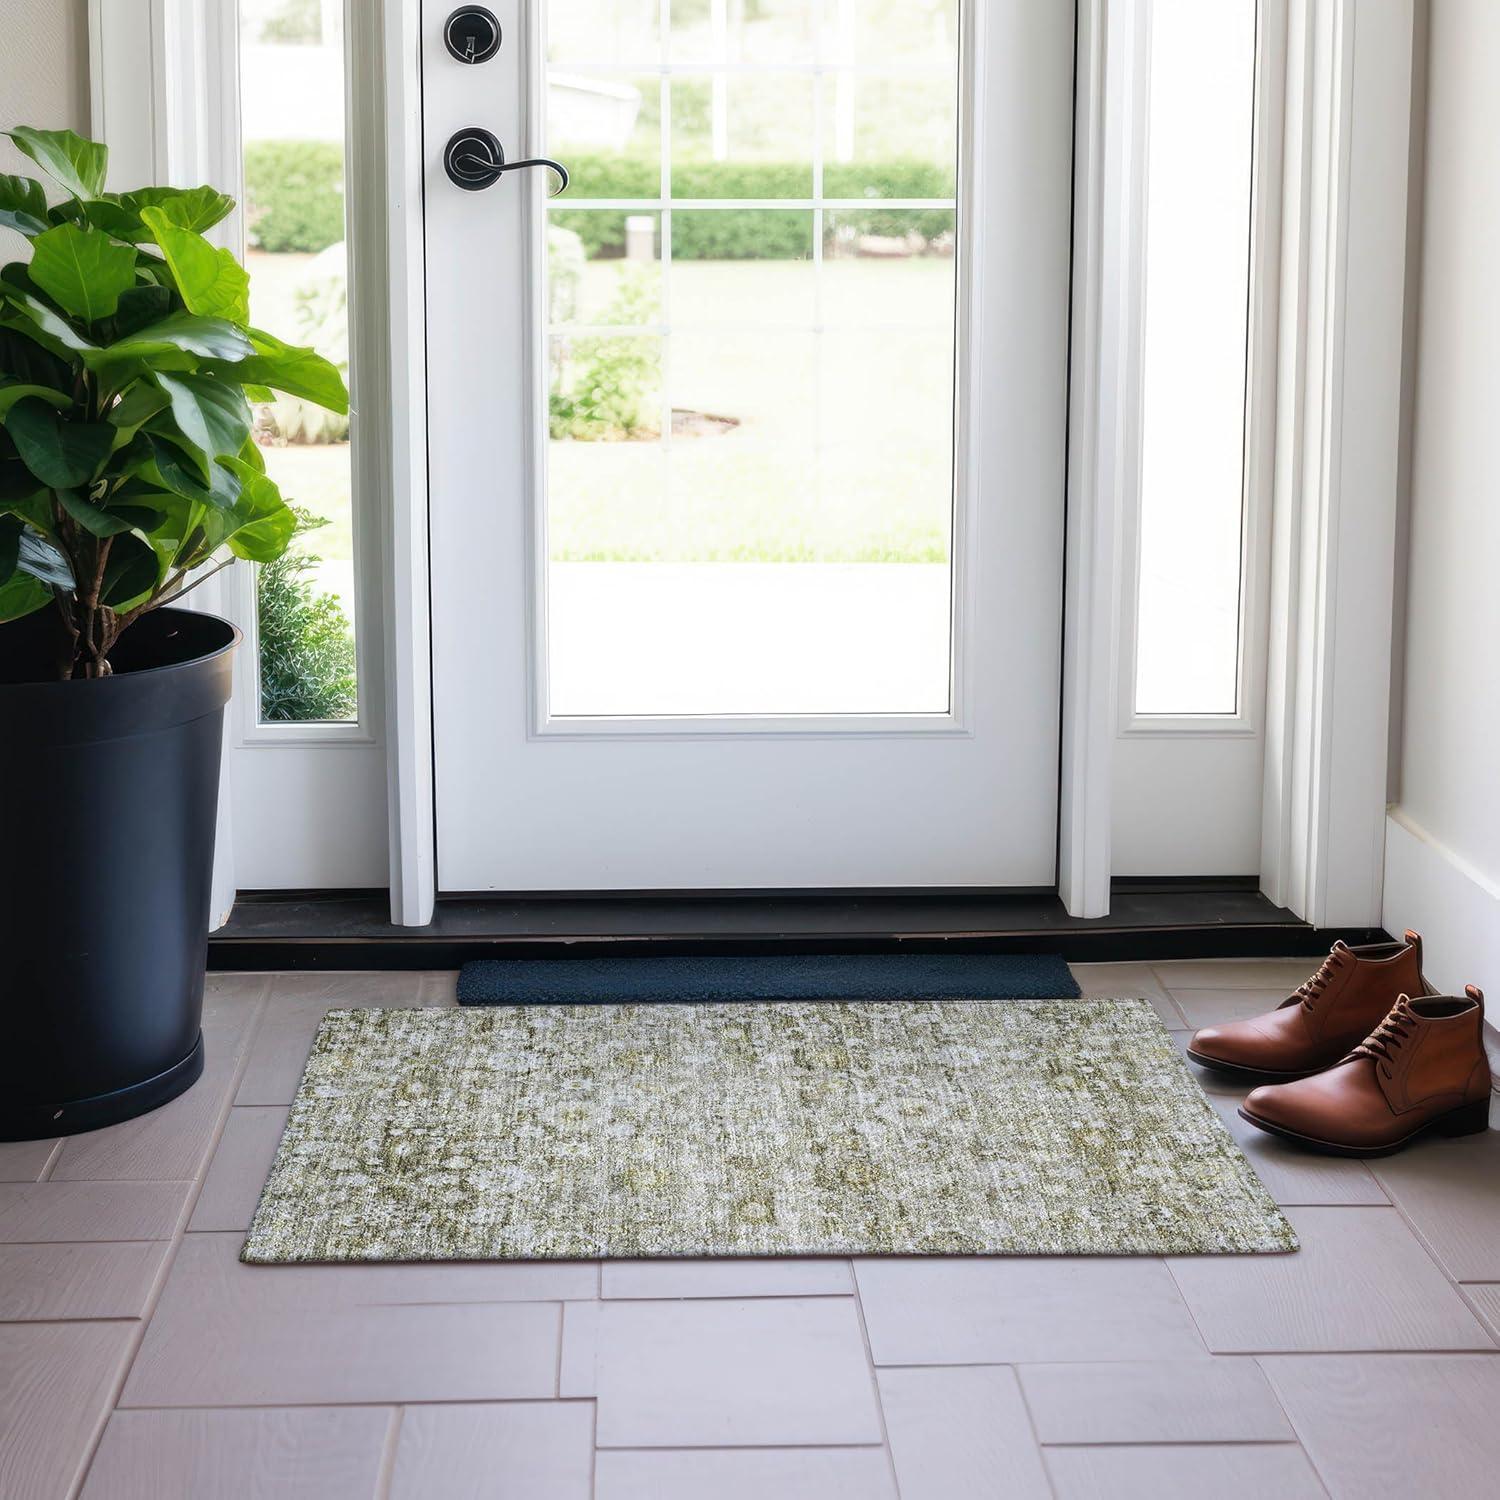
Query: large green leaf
{"x":106,"y":213}
{"x":82,"y":270}
{"x":196,"y":209}
{"x":22,"y":595}
{"x":208,"y":338}
{"x":30,"y":316}
{"x":131,"y":572}
{"x":23,"y":204}
{"x":135,"y":408}
{"x":61,"y":454}
{"x":261,"y":522}
{"x":212,"y":415}
{"x":140,"y":307}
{"x":39,"y":558}
{"x":72,"y":162}
{"x":22,"y":358}
{"x":93,"y":518}
{"x":166,"y":470}
{"x":290,"y":368}
{"x":212,"y":282}
{"x":10,"y":394}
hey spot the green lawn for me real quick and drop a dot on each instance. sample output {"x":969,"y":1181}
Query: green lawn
{"x":843,"y":448}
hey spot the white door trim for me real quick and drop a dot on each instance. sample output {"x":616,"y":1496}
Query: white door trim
{"x":1104,"y":429}
{"x":406,"y":586}
{"x":1336,"y":401}
{"x":1334,"y":540}
{"x":165,"y":100}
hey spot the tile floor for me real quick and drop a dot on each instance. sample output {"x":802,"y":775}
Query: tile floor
{"x":140,"y":1361}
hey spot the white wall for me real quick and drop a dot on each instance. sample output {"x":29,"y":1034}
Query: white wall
{"x":1443,"y":845}
{"x":44,"y":77}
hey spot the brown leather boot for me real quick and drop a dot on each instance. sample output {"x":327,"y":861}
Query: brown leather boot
{"x":1312,"y":1029}
{"x":1423,"y":1068}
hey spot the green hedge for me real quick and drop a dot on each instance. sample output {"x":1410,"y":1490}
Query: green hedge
{"x":753,"y":234}
{"x":294,"y":194}
{"x":295,"y":201}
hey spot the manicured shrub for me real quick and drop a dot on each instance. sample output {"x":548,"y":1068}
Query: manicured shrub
{"x":294,"y":194}
{"x":307,"y":661}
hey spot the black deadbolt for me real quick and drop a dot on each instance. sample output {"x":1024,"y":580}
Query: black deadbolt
{"x":472,"y":34}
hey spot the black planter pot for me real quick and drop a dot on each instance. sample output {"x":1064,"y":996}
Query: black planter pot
{"x":110,"y":794}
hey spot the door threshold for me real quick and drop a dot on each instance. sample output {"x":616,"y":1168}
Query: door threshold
{"x":1149,"y":919}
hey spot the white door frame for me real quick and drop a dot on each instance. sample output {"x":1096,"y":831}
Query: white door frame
{"x":1337,"y":415}
{"x":1348,"y":100}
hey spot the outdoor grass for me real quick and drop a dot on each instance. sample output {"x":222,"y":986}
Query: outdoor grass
{"x":876,"y":384}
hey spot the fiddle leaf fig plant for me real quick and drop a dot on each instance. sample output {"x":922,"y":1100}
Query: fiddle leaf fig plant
{"x":128,"y":468}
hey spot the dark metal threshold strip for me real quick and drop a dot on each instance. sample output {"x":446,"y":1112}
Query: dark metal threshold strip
{"x":1150,"y":919}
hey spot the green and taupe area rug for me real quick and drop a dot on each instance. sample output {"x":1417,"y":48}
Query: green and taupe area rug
{"x":1038,"y":1127}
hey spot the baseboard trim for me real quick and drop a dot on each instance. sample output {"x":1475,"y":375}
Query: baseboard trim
{"x":1453,"y":904}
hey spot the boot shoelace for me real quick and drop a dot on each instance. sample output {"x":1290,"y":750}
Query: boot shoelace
{"x":1381,"y":1044}
{"x":1309,"y":990}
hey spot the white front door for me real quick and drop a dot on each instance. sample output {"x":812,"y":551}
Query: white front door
{"x":747,"y":451}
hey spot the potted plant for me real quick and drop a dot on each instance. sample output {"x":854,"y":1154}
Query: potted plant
{"x":128,"y":475}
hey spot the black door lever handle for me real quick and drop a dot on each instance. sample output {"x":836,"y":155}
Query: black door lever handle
{"x":475,"y":159}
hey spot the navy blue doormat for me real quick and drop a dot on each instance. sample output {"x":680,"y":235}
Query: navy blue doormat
{"x":858,"y":976}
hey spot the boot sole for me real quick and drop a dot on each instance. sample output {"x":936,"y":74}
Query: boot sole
{"x":1235,"y":1070}
{"x":1471,"y":1119}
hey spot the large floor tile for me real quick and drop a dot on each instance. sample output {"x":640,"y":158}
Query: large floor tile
{"x":1155,"y":1401}
{"x":1127,"y":979}
{"x":288,"y":1453}
{"x":1292,"y":1175}
{"x":25,"y":1161}
{"x":960,"y":1434}
{"x":296,"y":1008}
{"x":1360,"y":1281}
{"x":170,"y":1144}
{"x":1215,"y":1007}
{"x":55,"y":1384}
{"x":715,"y":1374}
{"x":747,"y":1474}
{"x":1283,"y":974}
{"x":240,"y":1165}
{"x":47,"y":1282}
{"x":1450,"y":1190}
{"x":766,"y":1277}
{"x":531,"y":1451}
{"x":37,"y":1211}
{"x":226,"y":1334}
{"x":1248,"y":1471}
{"x":1003,"y":1311}
{"x":1391,"y":1426}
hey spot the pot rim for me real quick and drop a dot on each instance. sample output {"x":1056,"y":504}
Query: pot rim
{"x":143,"y":674}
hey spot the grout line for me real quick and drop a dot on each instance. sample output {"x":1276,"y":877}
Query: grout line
{"x":739,"y":1447}
{"x":117,"y":1387}
{"x":1281,"y":1406}
{"x":594,"y":1448}
{"x":873,"y":1369}
{"x":1036,"y":1436}
{"x":1287,"y":1442}
{"x":386,"y":1473}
